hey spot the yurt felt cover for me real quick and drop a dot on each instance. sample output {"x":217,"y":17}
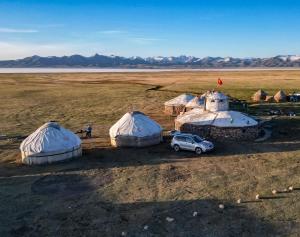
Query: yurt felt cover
{"x":135,"y":124}
{"x":280,"y":96}
{"x":180,"y":100}
{"x":269,"y":98}
{"x":217,"y":119}
{"x":259,"y":95}
{"x":50,"y":139}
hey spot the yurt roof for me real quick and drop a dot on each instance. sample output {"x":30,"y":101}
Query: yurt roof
{"x":269,"y":98}
{"x":135,"y":124}
{"x":280,"y":94}
{"x":180,"y":100}
{"x":217,"y":96}
{"x":196,"y":102}
{"x":50,"y":138}
{"x":260,"y":92}
{"x":218,"y":119}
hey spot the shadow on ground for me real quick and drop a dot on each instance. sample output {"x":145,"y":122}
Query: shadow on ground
{"x":163,"y":154}
{"x":108,"y":157}
{"x":72,"y":205}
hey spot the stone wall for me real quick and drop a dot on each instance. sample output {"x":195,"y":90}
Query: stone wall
{"x":219,"y":133}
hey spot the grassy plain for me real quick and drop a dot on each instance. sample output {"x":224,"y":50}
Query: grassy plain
{"x":109,"y":191}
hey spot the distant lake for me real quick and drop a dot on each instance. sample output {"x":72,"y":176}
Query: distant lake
{"x":120,"y":70}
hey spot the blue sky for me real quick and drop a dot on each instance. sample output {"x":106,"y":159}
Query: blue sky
{"x":238,"y":28}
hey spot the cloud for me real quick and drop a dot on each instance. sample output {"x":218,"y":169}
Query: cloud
{"x":112,"y":32}
{"x":45,"y":25}
{"x":16,"y":50}
{"x":20,"y":50}
{"x":52,"y":25}
{"x":143,"y":40}
{"x":13,"y":30}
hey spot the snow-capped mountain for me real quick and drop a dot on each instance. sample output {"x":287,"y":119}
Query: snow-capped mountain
{"x":290,"y":58}
{"x":182,"y":61}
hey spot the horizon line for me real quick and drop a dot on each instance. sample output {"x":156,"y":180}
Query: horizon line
{"x":145,"y":57}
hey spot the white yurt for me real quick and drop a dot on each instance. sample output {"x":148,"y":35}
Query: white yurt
{"x":50,"y":143}
{"x":177,"y":105}
{"x":135,"y":129}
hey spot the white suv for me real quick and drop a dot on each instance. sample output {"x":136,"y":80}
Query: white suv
{"x":190,"y":142}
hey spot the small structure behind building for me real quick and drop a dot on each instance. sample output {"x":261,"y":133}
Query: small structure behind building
{"x":177,"y":105}
{"x":294,"y":97}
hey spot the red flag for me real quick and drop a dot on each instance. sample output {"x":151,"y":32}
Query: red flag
{"x":220,"y":82}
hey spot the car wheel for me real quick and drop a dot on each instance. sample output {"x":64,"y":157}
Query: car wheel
{"x":198,"y":151}
{"x":176,"y":148}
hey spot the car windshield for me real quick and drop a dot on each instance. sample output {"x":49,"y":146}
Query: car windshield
{"x":197,"y":139}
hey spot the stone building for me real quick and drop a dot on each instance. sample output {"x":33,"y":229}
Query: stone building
{"x":217,"y":122}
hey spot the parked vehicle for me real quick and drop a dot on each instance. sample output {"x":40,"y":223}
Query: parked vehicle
{"x":295,"y":97}
{"x":190,"y":142}
{"x":174,"y":132}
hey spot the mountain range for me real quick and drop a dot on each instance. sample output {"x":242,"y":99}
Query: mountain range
{"x":112,"y":61}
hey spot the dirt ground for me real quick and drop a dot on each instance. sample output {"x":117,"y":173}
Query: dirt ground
{"x":131,"y":192}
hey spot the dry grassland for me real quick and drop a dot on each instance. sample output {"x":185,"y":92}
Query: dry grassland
{"x":109,"y":191}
